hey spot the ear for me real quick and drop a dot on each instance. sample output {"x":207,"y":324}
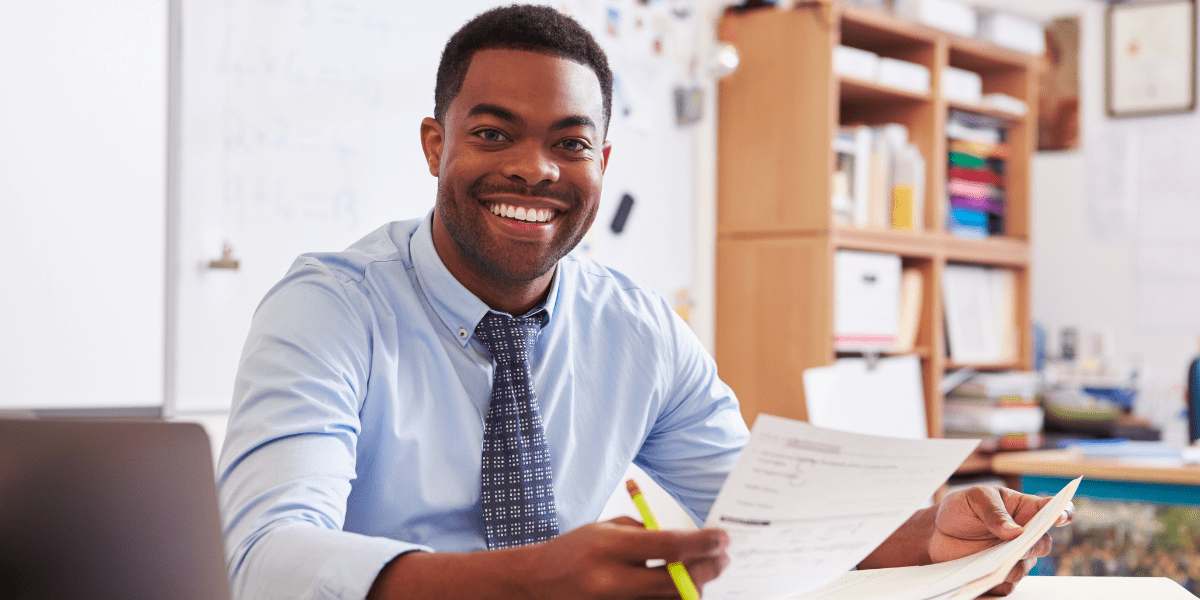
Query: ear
{"x":604,"y":150}
{"x":433,"y":137}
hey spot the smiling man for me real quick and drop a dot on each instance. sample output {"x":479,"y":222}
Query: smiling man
{"x":461,"y":382}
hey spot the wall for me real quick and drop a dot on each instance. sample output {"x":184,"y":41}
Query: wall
{"x":1099,"y":261}
{"x":83,"y":97}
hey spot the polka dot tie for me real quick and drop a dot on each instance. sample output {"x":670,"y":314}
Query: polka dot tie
{"x":518,"y":492}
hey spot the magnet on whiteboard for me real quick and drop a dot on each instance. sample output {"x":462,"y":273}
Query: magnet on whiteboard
{"x":618,"y":222}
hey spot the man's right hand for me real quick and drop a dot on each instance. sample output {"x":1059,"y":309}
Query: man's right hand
{"x":601,"y":560}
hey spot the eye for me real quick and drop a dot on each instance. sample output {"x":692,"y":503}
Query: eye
{"x":573,"y":145}
{"x":491,"y":135}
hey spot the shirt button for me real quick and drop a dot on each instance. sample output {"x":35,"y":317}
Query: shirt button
{"x":463,"y":333}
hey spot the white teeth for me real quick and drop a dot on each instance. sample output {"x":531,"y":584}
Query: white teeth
{"x":531,"y":215}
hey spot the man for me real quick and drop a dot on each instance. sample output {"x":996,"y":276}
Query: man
{"x":458,"y":383}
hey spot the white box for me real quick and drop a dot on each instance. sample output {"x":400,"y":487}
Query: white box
{"x":866,"y":300}
{"x":947,"y":15}
{"x":904,"y":75}
{"x":855,"y":62}
{"x":961,"y":85}
{"x":1011,"y":31}
{"x":1005,"y":103}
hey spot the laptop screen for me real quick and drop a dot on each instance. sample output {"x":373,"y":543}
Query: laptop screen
{"x":108,"y":509}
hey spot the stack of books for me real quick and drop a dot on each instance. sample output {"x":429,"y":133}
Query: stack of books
{"x":1000,"y":409}
{"x":975,"y":176}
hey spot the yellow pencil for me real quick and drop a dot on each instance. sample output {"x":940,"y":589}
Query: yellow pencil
{"x":683,"y":581}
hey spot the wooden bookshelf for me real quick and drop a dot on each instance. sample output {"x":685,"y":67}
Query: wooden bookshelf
{"x":776,"y":233}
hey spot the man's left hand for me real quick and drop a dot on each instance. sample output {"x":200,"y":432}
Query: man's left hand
{"x":976,"y":519}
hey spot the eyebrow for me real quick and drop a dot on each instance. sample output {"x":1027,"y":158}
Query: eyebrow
{"x":507,"y":115}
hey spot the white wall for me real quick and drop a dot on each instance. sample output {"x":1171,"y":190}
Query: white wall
{"x":1090,"y":272}
{"x":83,"y":97}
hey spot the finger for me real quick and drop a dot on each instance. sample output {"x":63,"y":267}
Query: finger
{"x":989,"y":506}
{"x":1040,"y":548}
{"x":626,"y":522}
{"x":1023,"y":507}
{"x":1067,"y":516}
{"x":1018,"y":572}
{"x":705,"y":570}
{"x":677,"y":546}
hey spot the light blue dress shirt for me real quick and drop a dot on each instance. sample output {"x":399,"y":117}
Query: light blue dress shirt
{"x":357,"y":420}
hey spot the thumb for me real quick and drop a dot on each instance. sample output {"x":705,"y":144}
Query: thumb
{"x":996,"y":518}
{"x":1002,"y":525}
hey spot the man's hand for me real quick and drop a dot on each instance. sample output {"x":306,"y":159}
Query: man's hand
{"x":601,"y":560}
{"x":967,"y":522}
{"x":978,"y":518}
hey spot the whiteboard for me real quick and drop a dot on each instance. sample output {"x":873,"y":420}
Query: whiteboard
{"x":83,"y":129}
{"x":299,"y":133}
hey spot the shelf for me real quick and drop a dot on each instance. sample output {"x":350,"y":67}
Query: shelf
{"x":1005,"y":366}
{"x":1010,"y":118}
{"x":869,"y":92}
{"x":976,"y":463}
{"x":922,"y":352}
{"x":874,"y":30}
{"x":996,"y":250}
{"x":981,"y":57}
{"x":920,"y":244}
{"x":777,"y":234}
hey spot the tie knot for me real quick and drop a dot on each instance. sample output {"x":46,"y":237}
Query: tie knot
{"x":508,"y":338}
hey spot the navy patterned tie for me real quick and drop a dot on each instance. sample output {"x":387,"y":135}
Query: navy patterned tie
{"x":518,"y":493}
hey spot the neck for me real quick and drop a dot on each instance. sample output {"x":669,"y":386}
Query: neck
{"x":515,"y":297}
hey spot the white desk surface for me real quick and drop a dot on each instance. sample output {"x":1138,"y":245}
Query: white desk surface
{"x":1099,"y":588}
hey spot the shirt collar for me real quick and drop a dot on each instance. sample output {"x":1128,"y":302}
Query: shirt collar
{"x":459,"y":310}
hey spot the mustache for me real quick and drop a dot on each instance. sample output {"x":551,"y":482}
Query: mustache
{"x":479,"y":188}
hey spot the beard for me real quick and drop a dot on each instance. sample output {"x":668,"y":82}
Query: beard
{"x":511,"y":261}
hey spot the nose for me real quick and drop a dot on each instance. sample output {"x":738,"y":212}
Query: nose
{"x":531,"y":163}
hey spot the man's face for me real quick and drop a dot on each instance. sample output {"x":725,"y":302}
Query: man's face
{"x":519,"y":162}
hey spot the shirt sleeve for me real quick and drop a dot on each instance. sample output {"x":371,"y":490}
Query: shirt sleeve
{"x":699,"y":434}
{"x":290,"y":450}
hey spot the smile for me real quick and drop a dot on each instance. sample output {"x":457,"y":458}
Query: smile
{"x":520,"y":213}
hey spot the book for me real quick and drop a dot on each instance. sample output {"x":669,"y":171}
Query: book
{"x":1000,"y":442}
{"x":1005,"y":388}
{"x":908,"y":188}
{"x":851,"y":179}
{"x":912,"y":285}
{"x":980,"y":311}
{"x":992,"y":420}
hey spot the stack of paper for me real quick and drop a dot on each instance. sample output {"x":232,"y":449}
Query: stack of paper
{"x":804,"y":505}
{"x":963,"y":579}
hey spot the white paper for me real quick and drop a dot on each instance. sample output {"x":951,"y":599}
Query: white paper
{"x":806,"y":504}
{"x":886,"y":398}
{"x":966,"y":577}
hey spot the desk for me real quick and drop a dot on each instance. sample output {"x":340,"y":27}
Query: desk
{"x":1133,"y":516}
{"x":1071,"y":463}
{"x":1098,"y":588}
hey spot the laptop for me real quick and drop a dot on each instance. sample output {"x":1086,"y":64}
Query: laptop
{"x":108,"y":509}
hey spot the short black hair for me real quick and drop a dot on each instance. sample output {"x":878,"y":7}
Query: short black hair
{"x":519,"y":27}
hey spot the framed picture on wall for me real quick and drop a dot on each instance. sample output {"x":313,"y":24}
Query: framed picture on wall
{"x":1151,"y":57}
